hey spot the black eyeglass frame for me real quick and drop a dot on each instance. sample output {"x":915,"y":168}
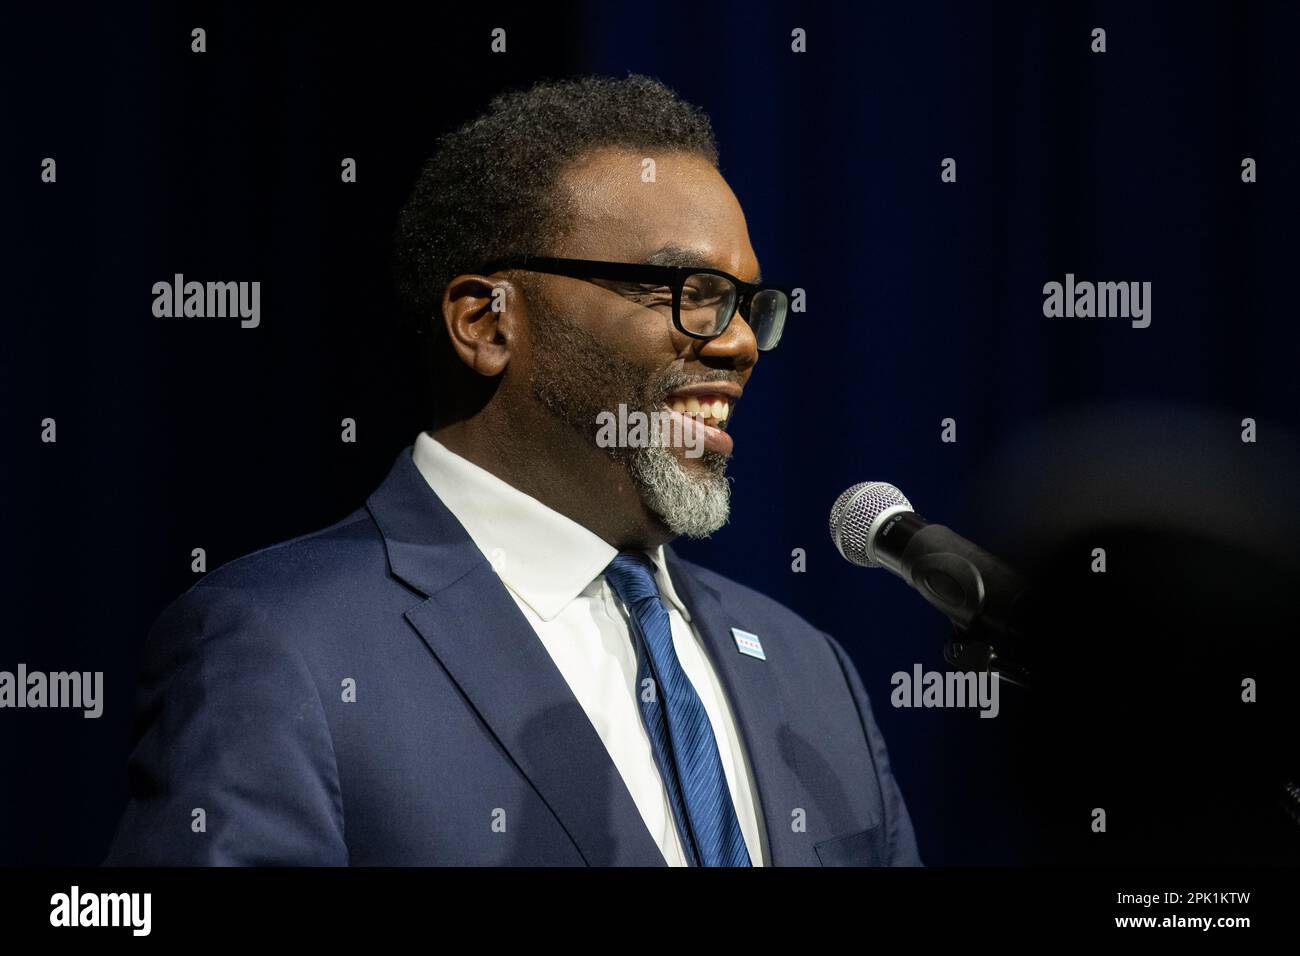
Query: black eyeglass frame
{"x":673,"y":277}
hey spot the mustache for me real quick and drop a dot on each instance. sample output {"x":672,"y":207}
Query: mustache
{"x":676,"y":379}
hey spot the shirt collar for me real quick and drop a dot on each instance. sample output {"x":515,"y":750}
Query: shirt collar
{"x":547,"y":559}
{"x":664,"y":581}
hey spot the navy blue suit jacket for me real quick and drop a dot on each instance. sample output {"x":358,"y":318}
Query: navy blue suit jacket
{"x":247,"y":752}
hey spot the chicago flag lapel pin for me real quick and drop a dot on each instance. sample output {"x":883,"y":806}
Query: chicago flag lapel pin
{"x":748,"y":643}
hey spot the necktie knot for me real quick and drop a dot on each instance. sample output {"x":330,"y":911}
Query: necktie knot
{"x":631,"y":575}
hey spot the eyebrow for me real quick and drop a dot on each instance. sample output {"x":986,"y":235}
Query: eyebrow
{"x":675,"y":255}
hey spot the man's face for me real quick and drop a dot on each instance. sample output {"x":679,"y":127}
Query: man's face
{"x":596,"y":346}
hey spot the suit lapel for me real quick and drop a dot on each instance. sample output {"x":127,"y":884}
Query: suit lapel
{"x":474,"y":628}
{"x":752,"y":687}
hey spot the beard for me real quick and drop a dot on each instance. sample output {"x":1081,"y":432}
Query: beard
{"x":576,"y":377}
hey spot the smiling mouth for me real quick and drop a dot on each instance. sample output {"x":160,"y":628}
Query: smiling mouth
{"x":707,"y":409}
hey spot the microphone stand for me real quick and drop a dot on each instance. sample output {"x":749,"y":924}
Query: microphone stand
{"x":979,"y":648}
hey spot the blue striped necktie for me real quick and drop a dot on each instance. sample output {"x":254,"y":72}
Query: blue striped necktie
{"x":680,"y":733}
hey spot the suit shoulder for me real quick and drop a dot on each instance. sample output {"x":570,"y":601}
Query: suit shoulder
{"x":273,"y":604}
{"x":318,"y":562}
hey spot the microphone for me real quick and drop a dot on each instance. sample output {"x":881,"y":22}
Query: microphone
{"x":873,"y":526}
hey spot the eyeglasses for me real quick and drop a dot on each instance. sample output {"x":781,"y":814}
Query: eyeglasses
{"x":703,"y":301}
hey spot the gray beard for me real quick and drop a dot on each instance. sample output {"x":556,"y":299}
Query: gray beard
{"x":695,"y":504}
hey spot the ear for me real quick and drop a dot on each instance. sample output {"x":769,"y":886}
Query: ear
{"x":484,"y":318}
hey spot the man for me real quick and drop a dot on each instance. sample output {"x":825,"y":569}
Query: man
{"x":499,"y":660}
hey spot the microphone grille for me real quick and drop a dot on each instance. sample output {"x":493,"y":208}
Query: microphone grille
{"x":855,"y":513}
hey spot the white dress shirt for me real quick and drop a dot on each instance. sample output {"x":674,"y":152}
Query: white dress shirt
{"x":553,"y":568}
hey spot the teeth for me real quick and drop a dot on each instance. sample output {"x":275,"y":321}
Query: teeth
{"x":713,"y":412}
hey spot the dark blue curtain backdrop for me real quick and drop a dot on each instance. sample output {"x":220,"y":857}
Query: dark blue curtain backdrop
{"x":924,"y":303}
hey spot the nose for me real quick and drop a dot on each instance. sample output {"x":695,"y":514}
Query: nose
{"x":736,"y":347}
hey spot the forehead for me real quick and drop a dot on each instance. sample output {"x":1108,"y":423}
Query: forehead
{"x":617,"y":214}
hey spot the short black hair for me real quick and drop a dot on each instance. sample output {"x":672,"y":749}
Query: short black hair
{"x":489,"y":190}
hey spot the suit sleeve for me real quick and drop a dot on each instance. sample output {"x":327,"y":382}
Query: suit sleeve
{"x":900,"y":840}
{"x":233,"y":761}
